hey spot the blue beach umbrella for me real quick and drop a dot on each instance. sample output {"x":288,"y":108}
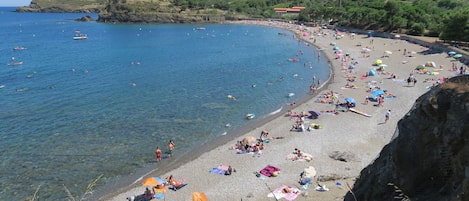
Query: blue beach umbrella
{"x":350,"y":100}
{"x":377,"y":93}
{"x":336,"y":48}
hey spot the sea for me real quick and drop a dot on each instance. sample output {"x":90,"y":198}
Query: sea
{"x":80,"y":112}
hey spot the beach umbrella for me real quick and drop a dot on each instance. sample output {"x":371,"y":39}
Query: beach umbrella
{"x":430,"y":64}
{"x":336,"y":48}
{"x":249,"y":140}
{"x":452,"y":53}
{"x":199,"y":196}
{"x":350,"y":100}
{"x":397,"y":36}
{"x":315,"y":114}
{"x":332,"y":43}
{"x":457,"y":56}
{"x":351,"y":66}
{"x":372,"y":73}
{"x":421,"y":67}
{"x":387,"y":52}
{"x":152,"y":181}
{"x":378,"y":61}
{"x":377,"y":93}
{"x":382,"y":67}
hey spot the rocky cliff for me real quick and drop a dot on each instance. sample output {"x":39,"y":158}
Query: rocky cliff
{"x":118,"y":11}
{"x":428,"y":159}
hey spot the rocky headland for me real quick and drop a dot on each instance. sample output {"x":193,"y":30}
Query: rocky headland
{"x":428,"y":159}
{"x":47,"y":6}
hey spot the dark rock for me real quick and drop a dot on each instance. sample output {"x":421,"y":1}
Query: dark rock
{"x":343,"y":156}
{"x":428,"y":159}
{"x":85,"y":19}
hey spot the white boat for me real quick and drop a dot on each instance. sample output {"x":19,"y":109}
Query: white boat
{"x":19,"y":48}
{"x":79,"y":36}
{"x":250,"y":116}
{"x":200,"y":28}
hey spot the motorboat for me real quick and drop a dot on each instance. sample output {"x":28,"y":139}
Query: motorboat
{"x":250,"y":116}
{"x":79,"y":36}
{"x":19,"y":48}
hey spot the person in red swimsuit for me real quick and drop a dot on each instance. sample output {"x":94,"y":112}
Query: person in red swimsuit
{"x":158,"y":153}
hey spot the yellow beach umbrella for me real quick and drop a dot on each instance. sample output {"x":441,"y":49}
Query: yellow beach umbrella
{"x":378,"y":62}
{"x":199,"y":196}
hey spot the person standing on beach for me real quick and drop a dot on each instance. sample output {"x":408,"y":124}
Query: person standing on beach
{"x":387,"y":115}
{"x":158,"y":153}
{"x":171,"y":146}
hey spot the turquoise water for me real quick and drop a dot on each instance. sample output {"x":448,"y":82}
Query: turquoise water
{"x":76,"y":109}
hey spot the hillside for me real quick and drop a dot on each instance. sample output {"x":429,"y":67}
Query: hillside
{"x":64,"y":6}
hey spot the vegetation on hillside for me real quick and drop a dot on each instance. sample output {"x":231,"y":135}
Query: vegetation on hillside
{"x":447,"y":19}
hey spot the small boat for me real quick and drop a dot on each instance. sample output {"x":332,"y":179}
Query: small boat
{"x":200,"y":28}
{"x":79,"y":36}
{"x":15,"y":63}
{"x":19,"y":48}
{"x":250,"y":116}
{"x":2,"y":86}
{"x":291,"y":94}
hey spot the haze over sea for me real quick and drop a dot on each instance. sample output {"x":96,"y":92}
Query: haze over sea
{"x":76,"y":109}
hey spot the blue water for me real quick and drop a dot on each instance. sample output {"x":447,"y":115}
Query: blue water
{"x":70,"y":112}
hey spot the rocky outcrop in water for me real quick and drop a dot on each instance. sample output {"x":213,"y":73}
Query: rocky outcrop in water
{"x":429,"y":157}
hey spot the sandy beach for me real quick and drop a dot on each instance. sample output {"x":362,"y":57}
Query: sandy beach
{"x":343,"y":133}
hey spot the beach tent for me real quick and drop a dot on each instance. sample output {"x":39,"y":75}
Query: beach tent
{"x":372,"y":73}
{"x":199,"y":196}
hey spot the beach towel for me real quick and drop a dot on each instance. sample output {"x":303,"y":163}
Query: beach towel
{"x":279,"y":193}
{"x":179,"y":187}
{"x":269,"y":171}
{"x":219,"y":170}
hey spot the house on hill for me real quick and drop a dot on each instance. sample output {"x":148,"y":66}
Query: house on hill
{"x":288,"y":11}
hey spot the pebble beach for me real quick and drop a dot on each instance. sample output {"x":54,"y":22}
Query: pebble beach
{"x":344,"y":143}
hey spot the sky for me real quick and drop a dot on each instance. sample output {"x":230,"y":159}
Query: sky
{"x":14,"y":3}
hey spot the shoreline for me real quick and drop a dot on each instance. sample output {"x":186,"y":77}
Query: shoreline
{"x":217,"y":152}
{"x":105,"y":194}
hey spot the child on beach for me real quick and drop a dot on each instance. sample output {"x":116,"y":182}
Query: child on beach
{"x":386,"y":116}
{"x":158,"y":153}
